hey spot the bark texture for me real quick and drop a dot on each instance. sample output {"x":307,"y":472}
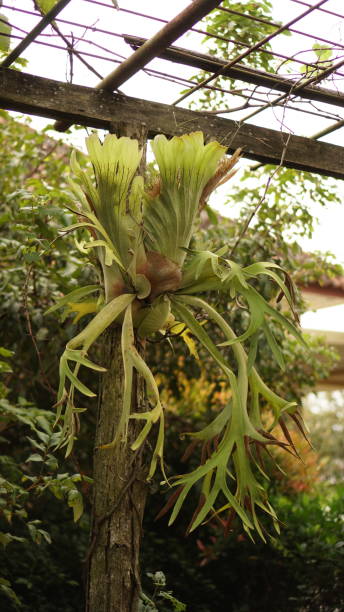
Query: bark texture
{"x":120,"y":485}
{"x":119,"y":497}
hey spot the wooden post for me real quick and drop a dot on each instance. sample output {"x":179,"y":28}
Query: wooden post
{"x":120,"y":486}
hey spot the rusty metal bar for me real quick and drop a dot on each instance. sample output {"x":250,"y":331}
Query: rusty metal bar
{"x":175,"y":28}
{"x":276,"y":25}
{"x":328,"y":130}
{"x":247,"y":97}
{"x":162,"y":39}
{"x":239,"y":43}
{"x":296,"y":88}
{"x":210,"y":63}
{"x":320,"y":9}
{"x":48,"y":18}
{"x":212,"y":34}
{"x":254,"y":47}
{"x":158,"y":74}
{"x":71,"y":49}
{"x":84,"y":26}
{"x":81,"y":53}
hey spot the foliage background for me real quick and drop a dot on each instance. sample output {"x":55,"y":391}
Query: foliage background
{"x":41,"y":494}
{"x":43,"y":547}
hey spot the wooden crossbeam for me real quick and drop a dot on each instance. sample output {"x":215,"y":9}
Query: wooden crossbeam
{"x":102,"y":109}
{"x":240,"y":72}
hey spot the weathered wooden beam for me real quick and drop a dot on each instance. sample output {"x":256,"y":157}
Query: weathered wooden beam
{"x":100,"y":109}
{"x":240,"y":72}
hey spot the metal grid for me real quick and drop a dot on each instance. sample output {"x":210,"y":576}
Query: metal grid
{"x":298,"y":92}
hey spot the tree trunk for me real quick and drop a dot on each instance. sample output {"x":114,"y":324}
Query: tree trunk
{"x":120,"y":489}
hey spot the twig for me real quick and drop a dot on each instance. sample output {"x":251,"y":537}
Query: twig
{"x":39,"y":163}
{"x":71,"y":50}
{"x":258,"y":205}
{"x":31,"y":334}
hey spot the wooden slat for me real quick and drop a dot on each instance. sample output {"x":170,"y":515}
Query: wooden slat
{"x":99,"y":109}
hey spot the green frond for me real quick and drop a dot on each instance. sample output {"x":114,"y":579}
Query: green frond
{"x":111,"y":198}
{"x":115,"y":162}
{"x":73,"y":296}
{"x":186,"y":164}
{"x":132,"y":359}
{"x":75,"y":351}
{"x":202,"y":272}
{"x":142,"y":241}
{"x":154,"y":316}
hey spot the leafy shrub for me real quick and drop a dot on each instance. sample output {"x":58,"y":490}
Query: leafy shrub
{"x":301,"y":571}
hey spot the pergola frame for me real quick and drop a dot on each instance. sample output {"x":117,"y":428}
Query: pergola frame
{"x":101,"y":108}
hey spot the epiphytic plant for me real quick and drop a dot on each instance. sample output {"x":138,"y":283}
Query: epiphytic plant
{"x":152,"y":282}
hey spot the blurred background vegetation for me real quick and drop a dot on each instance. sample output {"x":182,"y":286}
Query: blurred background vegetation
{"x":45,"y":501}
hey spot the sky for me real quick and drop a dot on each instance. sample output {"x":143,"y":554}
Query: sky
{"x":328,"y":235}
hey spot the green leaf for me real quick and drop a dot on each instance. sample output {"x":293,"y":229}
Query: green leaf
{"x":46,"y":536}
{"x":155,"y":317}
{"x":5,"y":352}
{"x":323,"y":52}
{"x":43,"y":436}
{"x":73,"y":296}
{"x":5,"y":587}
{"x":101,"y":321}
{"x":252,"y":353}
{"x":75,"y":501}
{"x":5,"y":368}
{"x":212,"y":215}
{"x":5,"y":33}
{"x":275,"y":314}
{"x":84,"y":339}
{"x":132,"y":359}
{"x":45,"y":5}
{"x":142,"y":286}
{"x":109,"y":254}
{"x":78,"y":357}
{"x":257,"y":309}
{"x":36,"y":444}
{"x":7,"y":538}
{"x":34,"y":457}
{"x":115,"y":197}
{"x":185,"y":315}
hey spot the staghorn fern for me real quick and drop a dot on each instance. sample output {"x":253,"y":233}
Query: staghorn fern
{"x":152,"y":281}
